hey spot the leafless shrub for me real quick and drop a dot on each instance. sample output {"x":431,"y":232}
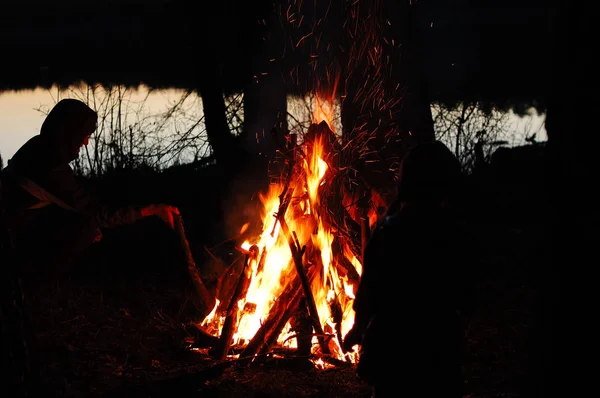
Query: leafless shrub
{"x":472,"y":133}
{"x":144,"y":127}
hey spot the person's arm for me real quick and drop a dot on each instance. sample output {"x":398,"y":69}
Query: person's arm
{"x":163,"y":211}
{"x":62,"y":183}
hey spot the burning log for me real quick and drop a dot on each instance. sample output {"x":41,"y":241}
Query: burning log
{"x":297,"y":253}
{"x":324,"y":241}
{"x":292,"y":308}
{"x":297,"y":314}
{"x":261,"y":261}
{"x":302,"y":328}
{"x":284,"y":199}
{"x":207,"y":299}
{"x":282,"y":310}
{"x":343,"y":262}
{"x":352,"y":231}
{"x":231,"y":321}
{"x":337,"y":315}
{"x":202,"y":339}
{"x":274,"y":323}
{"x":349,"y":230}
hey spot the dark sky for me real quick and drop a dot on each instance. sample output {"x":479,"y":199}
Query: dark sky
{"x":501,"y":46}
{"x":496,"y":46}
{"x":477,"y":48}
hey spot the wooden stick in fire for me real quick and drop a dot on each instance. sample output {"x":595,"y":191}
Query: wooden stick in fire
{"x":272,"y":325}
{"x":292,"y":307}
{"x":338,"y":316}
{"x":208,"y":299}
{"x":231,"y":321}
{"x":297,"y":253}
{"x":271,"y":337}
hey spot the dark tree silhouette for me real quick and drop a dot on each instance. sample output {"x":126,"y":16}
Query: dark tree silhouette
{"x":565,"y":328}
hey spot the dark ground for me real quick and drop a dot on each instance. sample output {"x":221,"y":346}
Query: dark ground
{"x":117,"y":325}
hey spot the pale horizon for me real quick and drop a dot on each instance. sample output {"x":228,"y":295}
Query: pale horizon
{"x":22,"y":113}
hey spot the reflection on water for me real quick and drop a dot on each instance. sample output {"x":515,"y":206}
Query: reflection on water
{"x":166,"y":126}
{"x":157,"y":127}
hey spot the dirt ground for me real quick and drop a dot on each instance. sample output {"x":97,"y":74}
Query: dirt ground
{"x":120,"y":335}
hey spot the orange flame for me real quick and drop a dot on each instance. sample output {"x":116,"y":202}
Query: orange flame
{"x":304,"y":218}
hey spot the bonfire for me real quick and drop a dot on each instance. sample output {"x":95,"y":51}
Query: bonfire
{"x":300,"y":273}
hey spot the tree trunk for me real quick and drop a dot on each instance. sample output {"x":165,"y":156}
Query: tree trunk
{"x":219,"y":136}
{"x":414,"y":111}
{"x":265,"y":109}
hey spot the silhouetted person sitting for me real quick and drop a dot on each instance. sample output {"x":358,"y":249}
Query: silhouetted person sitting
{"x":50,"y":217}
{"x":407,"y":308}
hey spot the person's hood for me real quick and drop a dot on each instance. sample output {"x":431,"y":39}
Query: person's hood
{"x":67,"y":126}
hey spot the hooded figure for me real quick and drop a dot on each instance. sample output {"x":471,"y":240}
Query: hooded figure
{"x":50,"y":218}
{"x":47,"y":221}
{"x":413,"y":286}
{"x":67,"y":128}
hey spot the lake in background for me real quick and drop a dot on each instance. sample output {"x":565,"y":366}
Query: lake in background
{"x":166,"y":116}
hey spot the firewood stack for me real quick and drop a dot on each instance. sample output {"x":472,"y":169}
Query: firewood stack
{"x":296,"y":303}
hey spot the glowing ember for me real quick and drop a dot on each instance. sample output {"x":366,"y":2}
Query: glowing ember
{"x":272,"y":269}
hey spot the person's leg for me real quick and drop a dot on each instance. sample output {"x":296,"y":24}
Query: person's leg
{"x":72,"y":246}
{"x":21,"y":371}
{"x":51,"y":245}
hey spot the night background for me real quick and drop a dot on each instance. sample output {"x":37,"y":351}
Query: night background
{"x":122,"y":321}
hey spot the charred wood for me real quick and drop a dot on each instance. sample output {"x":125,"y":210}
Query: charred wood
{"x":297,"y":253}
{"x":271,"y":324}
{"x":207,"y":299}
{"x":202,"y":339}
{"x":296,"y":305}
{"x":302,"y":328}
{"x":271,"y":340}
{"x":337,"y":316}
{"x":348,"y":268}
{"x":231,"y":321}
